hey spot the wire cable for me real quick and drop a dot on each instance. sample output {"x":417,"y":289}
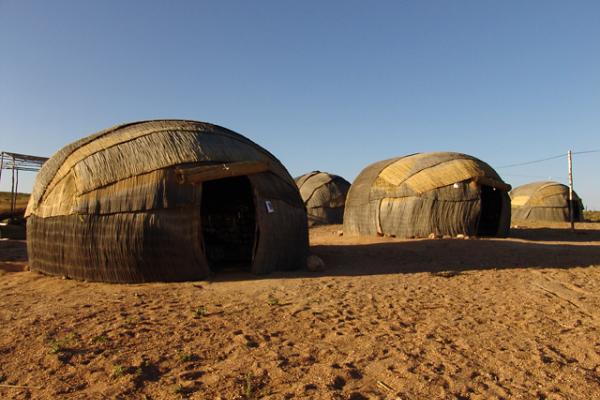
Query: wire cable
{"x":549,"y":177}
{"x":532,"y":162}
{"x":587,"y":151}
{"x":548,"y":158}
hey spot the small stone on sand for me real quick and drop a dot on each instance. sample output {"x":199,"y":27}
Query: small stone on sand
{"x":315,"y":263}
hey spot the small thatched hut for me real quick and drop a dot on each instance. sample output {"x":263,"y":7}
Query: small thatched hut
{"x":166,"y":200}
{"x":421,"y":194}
{"x":544,"y":201}
{"x":324,"y":196}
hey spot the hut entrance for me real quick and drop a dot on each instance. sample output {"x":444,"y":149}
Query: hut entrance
{"x":576,"y":207}
{"x":228,"y":223}
{"x":491,"y":209}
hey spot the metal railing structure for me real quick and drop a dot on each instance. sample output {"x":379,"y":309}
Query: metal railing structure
{"x":16,"y":163}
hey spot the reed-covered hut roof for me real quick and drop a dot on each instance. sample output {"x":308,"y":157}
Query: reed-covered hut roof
{"x":442,"y":193}
{"x":324,"y":196}
{"x":126,"y":204}
{"x":544,"y":201}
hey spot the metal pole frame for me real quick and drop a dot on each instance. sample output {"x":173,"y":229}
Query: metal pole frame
{"x":12,"y":190}
{"x":16,"y":191}
{"x":571,"y":211}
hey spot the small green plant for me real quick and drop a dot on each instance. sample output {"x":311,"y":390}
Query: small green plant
{"x":186,"y":357}
{"x":272,"y":300}
{"x":71,"y":337}
{"x":139,"y":371}
{"x":56,"y":347}
{"x":201,"y":311}
{"x":179,"y":389}
{"x":2,"y":378}
{"x":249,"y":387}
{"x":100,"y":339}
{"x":59,"y":346}
{"x":253,"y":387}
{"x":62,"y":349}
{"x":118,"y":371}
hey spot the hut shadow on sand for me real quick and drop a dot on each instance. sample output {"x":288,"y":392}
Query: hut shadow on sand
{"x":437,"y":255}
{"x":424,"y":255}
{"x":557,"y":234}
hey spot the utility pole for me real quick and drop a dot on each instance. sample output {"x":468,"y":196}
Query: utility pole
{"x":571,"y":211}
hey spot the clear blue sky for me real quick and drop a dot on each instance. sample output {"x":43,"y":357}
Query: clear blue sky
{"x":323,"y":85}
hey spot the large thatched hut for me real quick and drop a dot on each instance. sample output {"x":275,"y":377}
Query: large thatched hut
{"x":166,"y":200}
{"x":425,"y":193}
{"x":324,"y":196}
{"x":544,"y":201}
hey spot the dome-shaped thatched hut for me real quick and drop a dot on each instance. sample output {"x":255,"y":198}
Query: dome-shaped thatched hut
{"x":164,"y":201}
{"x":420,"y":194}
{"x":324,"y":196}
{"x":544,"y":201}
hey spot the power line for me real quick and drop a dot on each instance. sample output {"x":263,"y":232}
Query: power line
{"x":587,"y":151}
{"x":548,"y":158}
{"x":549,"y":177}
{"x":532,"y":162}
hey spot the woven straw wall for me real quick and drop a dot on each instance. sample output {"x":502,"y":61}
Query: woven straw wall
{"x":416,"y":195}
{"x":324,"y":196}
{"x":109,"y":207}
{"x":544,"y":201}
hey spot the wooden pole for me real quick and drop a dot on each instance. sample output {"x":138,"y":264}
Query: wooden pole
{"x":220,"y":171}
{"x":571,"y":211}
{"x":1,"y":164}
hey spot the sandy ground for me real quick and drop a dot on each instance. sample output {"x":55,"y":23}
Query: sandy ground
{"x":387,"y":319}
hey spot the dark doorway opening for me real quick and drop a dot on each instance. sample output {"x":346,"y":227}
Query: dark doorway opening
{"x":576,"y":207}
{"x":228,"y":223}
{"x":491,"y":210}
